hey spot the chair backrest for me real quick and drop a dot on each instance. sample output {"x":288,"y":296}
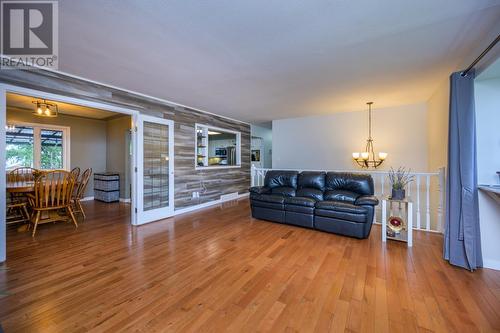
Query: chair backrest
{"x":53,"y":189}
{"x":82,"y":185}
{"x":76,"y":173}
{"x":21,"y":174}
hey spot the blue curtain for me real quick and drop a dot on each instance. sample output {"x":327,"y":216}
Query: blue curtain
{"x":462,"y":243}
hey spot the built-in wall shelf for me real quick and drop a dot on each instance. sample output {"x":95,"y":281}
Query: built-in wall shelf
{"x":492,"y":190}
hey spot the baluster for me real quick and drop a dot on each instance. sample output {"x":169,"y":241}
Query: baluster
{"x":418,"y":201}
{"x":382,"y":183}
{"x":409,"y":189}
{"x":428,"y":211}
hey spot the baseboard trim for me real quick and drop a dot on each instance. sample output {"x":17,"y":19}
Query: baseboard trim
{"x":208,"y":204}
{"x":491,"y":264}
{"x":92,"y":198}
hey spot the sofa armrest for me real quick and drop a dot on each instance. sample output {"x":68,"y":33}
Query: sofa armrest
{"x":369,"y":200}
{"x":259,"y":189}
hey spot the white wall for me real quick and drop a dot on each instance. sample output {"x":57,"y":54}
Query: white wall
{"x":267,"y":139}
{"x":487,"y":94}
{"x":118,"y":151}
{"x":327,"y":142}
{"x":438,"y":107}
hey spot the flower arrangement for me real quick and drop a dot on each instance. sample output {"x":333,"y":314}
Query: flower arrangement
{"x":399,"y":179}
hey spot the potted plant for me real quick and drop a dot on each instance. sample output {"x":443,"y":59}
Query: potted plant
{"x":399,"y":179}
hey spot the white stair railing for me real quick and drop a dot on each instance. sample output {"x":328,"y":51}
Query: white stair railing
{"x":426,"y":191}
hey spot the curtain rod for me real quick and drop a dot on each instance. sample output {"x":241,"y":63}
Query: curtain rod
{"x":492,"y":45}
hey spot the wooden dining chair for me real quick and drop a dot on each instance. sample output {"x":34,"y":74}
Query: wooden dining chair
{"x":80,"y":192}
{"x":22,"y":174}
{"x":76,"y":173}
{"x":17,"y":207}
{"x":53,"y":191}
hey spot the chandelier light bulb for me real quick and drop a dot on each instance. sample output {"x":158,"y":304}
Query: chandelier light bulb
{"x":365,"y":155}
{"x":355,"y":156}
{"x":382,"y":156}
{"x":45,"y":109}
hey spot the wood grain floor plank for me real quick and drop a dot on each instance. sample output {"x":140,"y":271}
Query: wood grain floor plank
{"x":220,"y":270}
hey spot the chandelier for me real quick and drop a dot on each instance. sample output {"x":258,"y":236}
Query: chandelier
{"x":45,"y":109}
{"x":368,"y":159}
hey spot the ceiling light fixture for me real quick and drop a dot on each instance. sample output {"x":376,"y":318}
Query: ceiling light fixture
{"x":45,"y":109}
{"x":368,"y":159}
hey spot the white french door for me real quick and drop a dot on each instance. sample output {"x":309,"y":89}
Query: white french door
{"x":155,"y":169}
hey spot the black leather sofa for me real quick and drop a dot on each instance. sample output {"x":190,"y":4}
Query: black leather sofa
{"x":341,"y":203}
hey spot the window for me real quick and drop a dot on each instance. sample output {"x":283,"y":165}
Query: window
{"x":37,"y":146}
{"x":217,"y":147}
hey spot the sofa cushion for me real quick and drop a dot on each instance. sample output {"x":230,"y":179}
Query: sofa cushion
{"x":299,"y":209}
{"x":269,"y":205}
{"x":310,"y":193}
{"x":300,"y":201}
{"x":358,"y":183}
{"x":259,"y":189}
{"x":342,"y":211}
{"x":341,"y":207}
{"x":369,"y":200}
{"x":283,"y":191}
{"x":279,"y":178}
{"x":340,"y":195}
{"x":312,"y":179}
{"x":267,"y":198}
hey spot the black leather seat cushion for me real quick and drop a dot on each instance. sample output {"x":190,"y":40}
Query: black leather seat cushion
{"x":341,"y":195}
{"x":267,"y":201}
{"x":342,"y":211}
{"x":283,"y":191}
{"x":310,"y":193}
{"x":300,"y":201}
{"x":300,"y":209}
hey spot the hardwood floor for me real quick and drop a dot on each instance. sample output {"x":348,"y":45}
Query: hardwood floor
{"x":218,"y":269}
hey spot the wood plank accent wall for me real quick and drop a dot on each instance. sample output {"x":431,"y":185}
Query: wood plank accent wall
{"x":211,"y":183}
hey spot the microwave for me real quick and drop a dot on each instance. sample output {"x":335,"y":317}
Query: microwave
{"x":220,"y":152}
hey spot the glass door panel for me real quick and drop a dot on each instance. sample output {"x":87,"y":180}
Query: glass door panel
{"x":155,"y":166}
{"x":154,"y":169}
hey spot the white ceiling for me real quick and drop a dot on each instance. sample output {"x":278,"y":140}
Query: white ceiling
{"x":260,"y":60}
{"x":26,"y":103}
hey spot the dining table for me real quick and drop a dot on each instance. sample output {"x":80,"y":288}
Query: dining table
{"x":21,"y":186}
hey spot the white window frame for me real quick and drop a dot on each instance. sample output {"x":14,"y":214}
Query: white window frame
{"x":210,"y":167}
{"x":37,"y":153}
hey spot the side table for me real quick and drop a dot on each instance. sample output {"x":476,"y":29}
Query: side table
{"x":402,"y":209}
